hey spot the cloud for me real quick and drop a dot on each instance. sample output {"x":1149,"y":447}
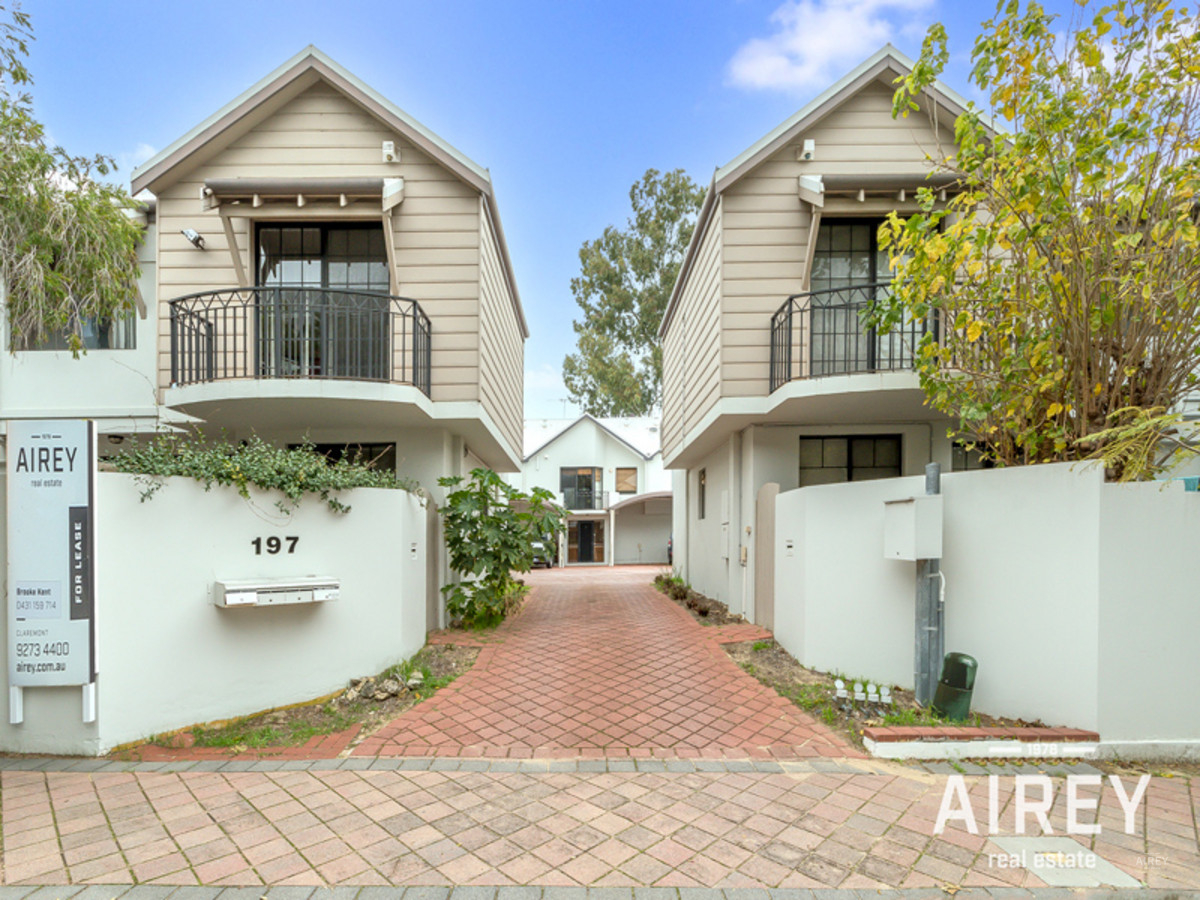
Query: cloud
{"x":816,"y":40}
{"x":545,"y":393}
{"x":128,"y":160}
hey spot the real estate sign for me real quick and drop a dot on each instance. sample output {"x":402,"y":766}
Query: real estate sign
{"x":51,"y":559}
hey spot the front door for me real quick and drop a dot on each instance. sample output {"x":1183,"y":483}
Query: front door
{"x":587,"y":537}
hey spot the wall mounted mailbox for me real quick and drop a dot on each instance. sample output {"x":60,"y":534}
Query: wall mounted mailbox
{"x":912,"y":528}
{"x":275,"y":591}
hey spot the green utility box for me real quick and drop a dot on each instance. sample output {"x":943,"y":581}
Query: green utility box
{"x":952,"y":698}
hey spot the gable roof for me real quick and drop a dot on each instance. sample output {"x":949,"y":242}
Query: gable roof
{"x":885,"y":61}
{"x":639,"y":433}
{"x":304,"y":69}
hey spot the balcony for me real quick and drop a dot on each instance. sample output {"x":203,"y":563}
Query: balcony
{"x":299,"y":333}
{"x":820,"y":333}
{"x":582,"y":499}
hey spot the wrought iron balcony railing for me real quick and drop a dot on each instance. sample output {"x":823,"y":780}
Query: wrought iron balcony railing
{"x":821,"y":333}
{"x":297,"y":332}
{"x":584,"y":498}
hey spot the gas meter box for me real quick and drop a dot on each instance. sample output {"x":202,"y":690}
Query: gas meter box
{"x":912,"y":528}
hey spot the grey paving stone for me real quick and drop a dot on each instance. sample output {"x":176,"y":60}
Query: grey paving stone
{"x":295,"y":892}
{"x":505,"y":765}
{"x":941,"y":768}
{"x":465,"y":892}
{"x":710,"y":765}
{"x":336,"y":893}
{"x":296,"y":765}
{"x":445,"y":764}
{"x":680,"y":765}
{"x":610,"y":893}
{"x":622,"y":765}
{"x":593,"y":765}
{"x":972,"y":768}
{"x":767,"y":765}
{"x":701,"y":894}
{"x":195,"y":892}
{"x":655,"y":893}
{"x":739,"y":765}
{"x":237,"y":765}
{"x":15,"y":892}
{"x":534,"y":765}
{"x":21,"y":764}
{"x":357,"y":763}
{"x":87,"y":765}
{"x":474,"y":765}
{"x":386,"y":763}
{"x":268,"y":765}
{"x":563,"y":765}
{"x":1010,"y":893}
{"x":426,"y":893}
{"x":564,"y":893}
{"x":380,"y":893}
{"x":240,"y":893}
{"x":415,"y":764}
{"x":138,"y":892}
{"x":519,"y":893}
{"x":651,"y":765}
{"x":324,"y":765}
{"x":801,"y":894}
{"x":55,"y":892}
{"x":746,"y":894}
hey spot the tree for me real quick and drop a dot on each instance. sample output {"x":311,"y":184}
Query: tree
{"x":626,"y":277}
{"x":490,"y":527}
{"x":1064,"y":276}
{"x":68,"y":248}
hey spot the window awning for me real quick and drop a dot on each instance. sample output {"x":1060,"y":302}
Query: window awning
{"x":258,"y":191}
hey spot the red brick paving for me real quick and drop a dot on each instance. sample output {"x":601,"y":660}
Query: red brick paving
{"x":600,"y":664}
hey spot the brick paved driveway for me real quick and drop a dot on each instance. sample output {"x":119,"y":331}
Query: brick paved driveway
{"x":601,"y":664}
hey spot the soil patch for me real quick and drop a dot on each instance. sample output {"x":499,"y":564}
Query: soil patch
{"x":704,"y":610}
{"x":817,"y":693}
{"x":398,"y":688}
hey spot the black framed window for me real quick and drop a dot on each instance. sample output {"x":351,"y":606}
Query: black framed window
{"x":833,"y":460}
{"x":329,"y":315}
{"x":848,"y":253}
{"x":701,"y":485}
{"x":582,"y":488}
{"x":964,"y":458}
{"x":96,"y":334}
{"x":377,"y":456}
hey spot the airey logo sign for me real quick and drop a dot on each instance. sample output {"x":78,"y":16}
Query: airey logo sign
{"x":1034,"y":796}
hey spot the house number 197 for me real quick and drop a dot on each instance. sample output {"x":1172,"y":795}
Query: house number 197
{"x":274,"y":545}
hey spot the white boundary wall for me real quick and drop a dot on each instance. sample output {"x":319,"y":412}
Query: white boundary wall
{"x":169,"y":658}
{"x":1078,"y":598}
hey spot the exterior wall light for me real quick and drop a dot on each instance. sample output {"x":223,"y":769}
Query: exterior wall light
{"x":192,"y":235}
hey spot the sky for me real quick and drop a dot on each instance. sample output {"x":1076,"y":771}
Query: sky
{"x":567,"y":103}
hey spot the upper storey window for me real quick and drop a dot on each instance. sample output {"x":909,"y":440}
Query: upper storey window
{"x":350,"y":257}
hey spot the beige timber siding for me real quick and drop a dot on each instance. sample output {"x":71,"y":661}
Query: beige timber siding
{"x":501,"y":345}
{"x":692,"y":344}
{"x":321,"y":133}
{"x":767,"y":225}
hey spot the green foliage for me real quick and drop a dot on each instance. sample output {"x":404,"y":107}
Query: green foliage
{"x":490,"y":527}
{"x":626,"y":277}
{"x":1065,"y":272}
{"x":760,"y":646}
{"x":293,"y":472}
{"x":68,"y":248}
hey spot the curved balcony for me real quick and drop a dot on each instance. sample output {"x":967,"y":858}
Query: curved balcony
{"x":821,"y":333}
{"x":299,"y":333}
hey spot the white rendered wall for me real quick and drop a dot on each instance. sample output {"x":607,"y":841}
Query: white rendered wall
{"x":117,"y":388}
{"x":1077,"y":597}
{"x":642,"y":530}
{"x":586,"y":444}
{"x":169,"y":658}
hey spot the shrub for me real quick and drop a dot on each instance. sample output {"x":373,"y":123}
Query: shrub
{"x":490,"y":527}
{"x":293,"y":472}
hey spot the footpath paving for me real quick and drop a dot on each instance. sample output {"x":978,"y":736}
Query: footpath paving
{"x":715,"y":811}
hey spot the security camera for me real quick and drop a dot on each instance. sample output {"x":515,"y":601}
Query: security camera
{"x":192,"y":235}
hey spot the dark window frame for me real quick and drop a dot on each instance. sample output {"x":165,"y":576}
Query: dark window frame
{"x":701,"y":490}
{"x":849,"y":467}
{"x":324,"y":228}
{"x":596,"y":491}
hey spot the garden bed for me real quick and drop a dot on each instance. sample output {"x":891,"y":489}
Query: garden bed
{"x":365,"y":706}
